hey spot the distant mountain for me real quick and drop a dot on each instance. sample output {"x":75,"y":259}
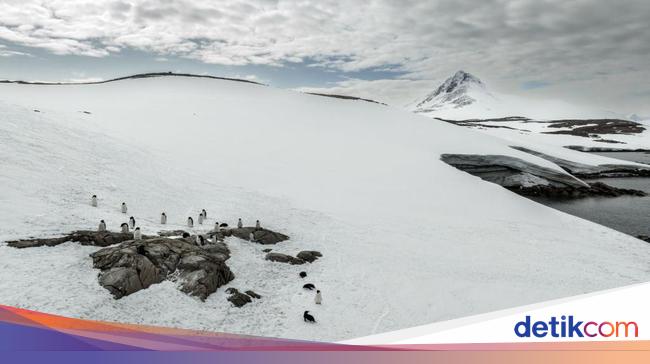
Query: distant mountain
{"x":464,"y":96}
{"x":457,"y":91}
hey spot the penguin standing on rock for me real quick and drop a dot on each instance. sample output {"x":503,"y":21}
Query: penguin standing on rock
{"x":216,"y":226}
{"x":239,"y":223}
{"x":131,"y":222}
{"x":137,"y":234}
{"x":93,"y":201}
{"x":102,"y":226}
{"x":190,"y":222}
{"x":125,"y":228}
{"x":257,"y":225}
{"x":200,"y":240}
{"x":251,"y":237}
{"x":124,"y":207}
{"x":163,"y":218}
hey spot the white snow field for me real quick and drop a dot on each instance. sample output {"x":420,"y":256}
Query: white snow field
{"x":406,"y":239}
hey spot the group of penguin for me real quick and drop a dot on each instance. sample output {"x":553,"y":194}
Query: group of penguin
{"x":137,"y":235}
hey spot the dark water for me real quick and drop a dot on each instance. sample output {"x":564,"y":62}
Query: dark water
{"x":627,"y":214}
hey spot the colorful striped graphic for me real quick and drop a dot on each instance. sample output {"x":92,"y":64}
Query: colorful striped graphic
{"x":34,"y":337}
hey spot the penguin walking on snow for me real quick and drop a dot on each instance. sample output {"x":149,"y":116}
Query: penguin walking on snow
{"x":137,"y":234}
{"x":201,"y":218}
{"x":102,"y":226}
{"x":93,"y":201}
{"x":125,"y":228}
{"x":124,"y":207}
{"x":205,"y":214}
{"x":239,"y":223}
{"x":163,"y":218}
{"x":318,"y":299}
{"x":131,"y":222}
{"x":190,"y":222}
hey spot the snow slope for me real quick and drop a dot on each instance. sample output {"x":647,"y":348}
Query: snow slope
{"x":407,"y":239}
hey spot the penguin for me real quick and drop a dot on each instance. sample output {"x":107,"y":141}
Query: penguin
{"x":131,"y":222}
{"x":303,"y":274}
{"x":257,"y":225}
{"x":239,"y":223}
{"x":163,"y":218}
{"x":201,"y":218}
{"x":102,"y":226}
{"x":186,"y":235}
{"x":318,"y":299}
{"x":308,"y":318}
{"x":125,"y":228}
{"x":190,"y":222}
{"x":93,"y":201}
{"x":251,"y":236}
{"x":205,"y":214}
{"x":200,"y":240}
{"x":216,"y":226}
{"x":223,"y":225}
{"x":124,"y":207}
{"x":137,"y":235}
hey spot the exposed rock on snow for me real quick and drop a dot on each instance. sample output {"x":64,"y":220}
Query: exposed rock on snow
{"x":283,"y":258}
{"x":168,"y":233}
{"x":531,"y":180}
{"x":261,"y":236}
{"x":309,"y":255}
{"x":84,"y":237}
{"x":240,"y":299}
{"x":253,"y":294}
{"x":501,"y":169}
{"x":135,"y":265}
{"x":589,"y":171}
{"x":594,"y":189}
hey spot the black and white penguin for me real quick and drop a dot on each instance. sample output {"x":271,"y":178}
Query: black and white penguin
{"x":200,"y":240}
{"x":190,"y":222}
{"x":205,"y":214}
{"x":239,"y":223}
{"x":257,"y":224}
{"x":137,"y":234}
{"x":251,"y":236}
{"x":216,"y":226}
{"x":124,"y":207}
{"x":102,"y":226}
{"x":125,"y":228}
{"x":131,"y":222}
{"x":93,"y":201}
{"x":201,"y":218}
{"x":163,"y":218}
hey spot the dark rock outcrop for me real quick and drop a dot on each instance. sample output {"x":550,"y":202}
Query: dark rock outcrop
{"x":84,"y":237}
{"x":253,"y":294}
{"x":645,"y":238}
{"x":260,"y":236}
{"x":594,"y":189}
{"x":168,"y":233}
{"x":266,"y":250}
{"x":309,"y":255}
{"x":283,"y":258}
{"x":199,"y":270}
{"x":237,"y":298}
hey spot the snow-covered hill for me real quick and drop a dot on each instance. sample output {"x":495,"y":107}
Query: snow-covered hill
{"x":406,"y":239}
{"x":465,"y":96}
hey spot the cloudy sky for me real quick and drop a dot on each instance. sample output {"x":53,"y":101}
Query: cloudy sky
{"x":590,"y":52}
